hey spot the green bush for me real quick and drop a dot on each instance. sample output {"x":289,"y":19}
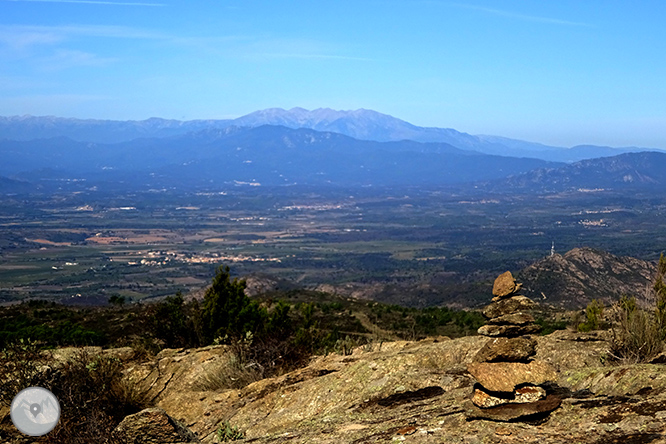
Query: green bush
{"x":227,"y":432}
{"x":117,"y":300}
{"x":176,"y":323}
{"x":548,"y":326}
{"x":63,"y":332}
{"x":594,"y":314}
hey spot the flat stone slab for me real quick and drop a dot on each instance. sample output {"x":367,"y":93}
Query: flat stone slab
{"x":513,"y":319}
{"x":508,"y":331}
{"x":523,"y":395}
{"x":507,"y":306}
{"x":507,"y":350}
{"x":506,"y":376}
{"x":513,"y":412}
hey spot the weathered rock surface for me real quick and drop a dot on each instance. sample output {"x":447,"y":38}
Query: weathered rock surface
{"x":506,"y":376}
{"x":153,"y":426}
{"x":507,"y":350}
{"x":507,"y":306}
{"x":513,"y":319}
{"x":494,"y":330}
{"x":505,"y":285}
{"x":418,"y":392}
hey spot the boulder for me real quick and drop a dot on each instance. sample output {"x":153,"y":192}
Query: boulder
{"x":530,"y":393}
{"x":124,"y":354}
{"x":506,"y":376}
{"x":508,"y":331}
{"x":513,"y":319}
{"x":507,"y":350}
{"x":507,"y":306}
{"x":153,"y":426}
{"x":505,"y":285}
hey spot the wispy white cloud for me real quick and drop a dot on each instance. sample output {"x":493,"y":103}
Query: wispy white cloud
{"x":13,"y":84}
{"x":67,"y":58}
{"x":55,"y":34}
{"x":519,"y":16}
{"x":25,"y":38}
{"x":20,"y":39}
{"x":308,"y":56}
{"x":89,"y":2}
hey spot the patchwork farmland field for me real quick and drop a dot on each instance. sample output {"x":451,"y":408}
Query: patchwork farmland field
{"x":414,"y":247}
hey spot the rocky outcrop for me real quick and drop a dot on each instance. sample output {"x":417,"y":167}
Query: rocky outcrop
{"x":416,"y":392}
{"x":153,"y":426}
{"x":573,"y":279}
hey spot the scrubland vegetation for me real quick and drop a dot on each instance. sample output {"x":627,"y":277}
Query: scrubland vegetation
{"x":265,"y":336}
{"x":639,"y":325}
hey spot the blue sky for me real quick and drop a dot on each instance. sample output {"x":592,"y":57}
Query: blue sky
{"x":560,"y":72}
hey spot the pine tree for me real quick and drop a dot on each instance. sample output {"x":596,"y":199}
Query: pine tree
{"x":227,"y":311}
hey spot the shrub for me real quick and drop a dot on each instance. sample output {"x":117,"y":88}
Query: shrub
{"x":22,"y":365}
{"x":169,"y":323}
{"x":94,"y":397}
{"x":637,"y":335}
{"x":117,"y":300}
{"x":594,"y":313}
{"x":47,"y":333}
{"x":227,"y":432}
{"x":548,"y":326}
{"x":237,"y":371}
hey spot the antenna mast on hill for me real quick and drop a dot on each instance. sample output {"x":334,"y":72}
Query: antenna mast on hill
{"x":552,"y":249}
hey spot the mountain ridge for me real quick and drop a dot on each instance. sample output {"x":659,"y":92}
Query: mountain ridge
{"x":361,"y":124}
{"x":643,"y":170}
{"x":266,"y":154}
{"x":573,"y":279}
{"x":277,"y":155}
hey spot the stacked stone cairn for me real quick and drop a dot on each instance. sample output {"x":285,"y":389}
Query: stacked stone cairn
{"x":511,"y":384}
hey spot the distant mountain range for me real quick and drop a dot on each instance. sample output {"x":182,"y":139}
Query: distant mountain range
{"x":16,"y":186}
{"x":359,"y":124}
{"x":277,"y":155}
{"x":630,"y":171}
{"x":266,"y":155}
{"x":320,"y":147}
